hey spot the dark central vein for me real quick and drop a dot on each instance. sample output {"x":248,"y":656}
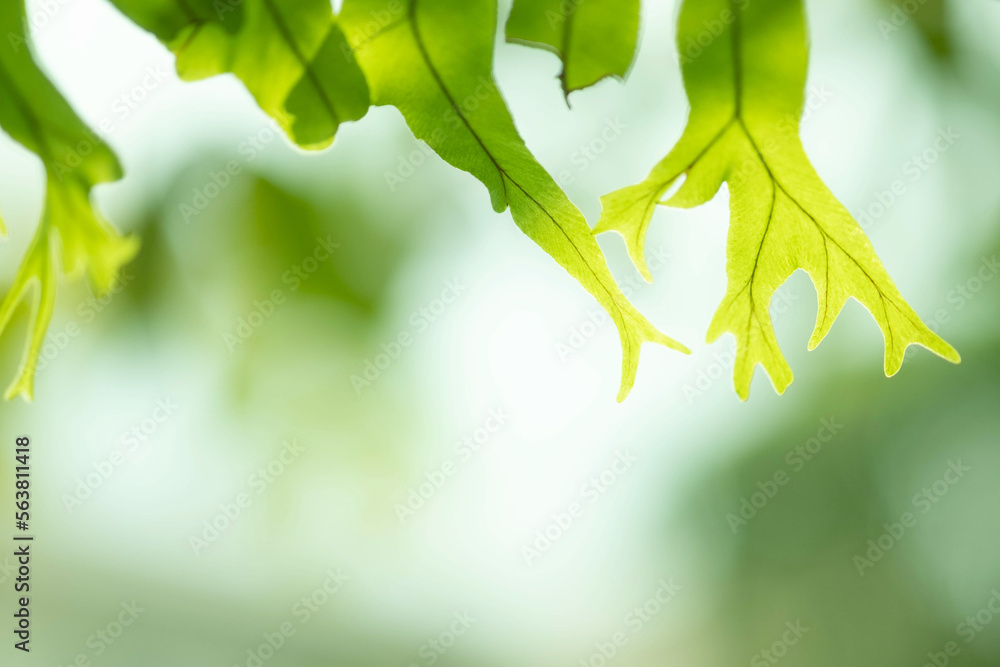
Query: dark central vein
{"x":827,"y":237}
{"x":504,"y":175}
{"x":279,"y":22}
{"x":737,"y":48}
{"x":776,"y":183}
{"x":419,"y":40}
{"x":186,"y":9}
{"x":193,"y":19}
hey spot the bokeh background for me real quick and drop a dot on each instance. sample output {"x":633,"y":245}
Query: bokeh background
{"x":505,"y":395}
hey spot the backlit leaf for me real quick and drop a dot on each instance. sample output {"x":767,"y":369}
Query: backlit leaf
{"x":433,"y":60}
{"x":594,"y":39}
{"x":290,"y":54}
{"x":746,"y":87}
{"x":72,"y":235}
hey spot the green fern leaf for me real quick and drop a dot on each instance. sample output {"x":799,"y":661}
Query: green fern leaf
{"x":746,"y":90}
{"x":72,"y":234}
{"x":433,"y":60}
{"x":290,"y":54}
{"x":595,"y":39}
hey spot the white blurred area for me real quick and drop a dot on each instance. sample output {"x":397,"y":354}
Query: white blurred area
{"x":494,"y":348}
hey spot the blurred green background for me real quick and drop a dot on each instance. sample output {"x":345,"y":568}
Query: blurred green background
{"x":478,"y":498}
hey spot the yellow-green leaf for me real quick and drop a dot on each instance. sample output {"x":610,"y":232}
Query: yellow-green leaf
{"x":746,"y":90}
{"x":290,"y":54}
{"x":433,"y":60}
{"x":594,"y":39}
{"x":72,"y":234}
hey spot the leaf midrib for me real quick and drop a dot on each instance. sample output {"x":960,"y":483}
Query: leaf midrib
{"x":418,"y":39}
{"x":736,"y":47}
{"x":307,"y":66}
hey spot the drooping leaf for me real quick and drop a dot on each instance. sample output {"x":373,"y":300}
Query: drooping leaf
{"x":594,"y":39}
{"x":72,"y":234}
{"x":291,"y":55}
{"x":433,"y":60}
{"x":169,"y":20}
{"x":746,"y":89}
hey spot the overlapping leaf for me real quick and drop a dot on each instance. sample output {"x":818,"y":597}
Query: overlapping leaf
{"x":290,"y":54}
{"x":594,"y":39}
{"x":746,"y":90}
{"x":71,"y":233}
{"x":444,"y":88}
